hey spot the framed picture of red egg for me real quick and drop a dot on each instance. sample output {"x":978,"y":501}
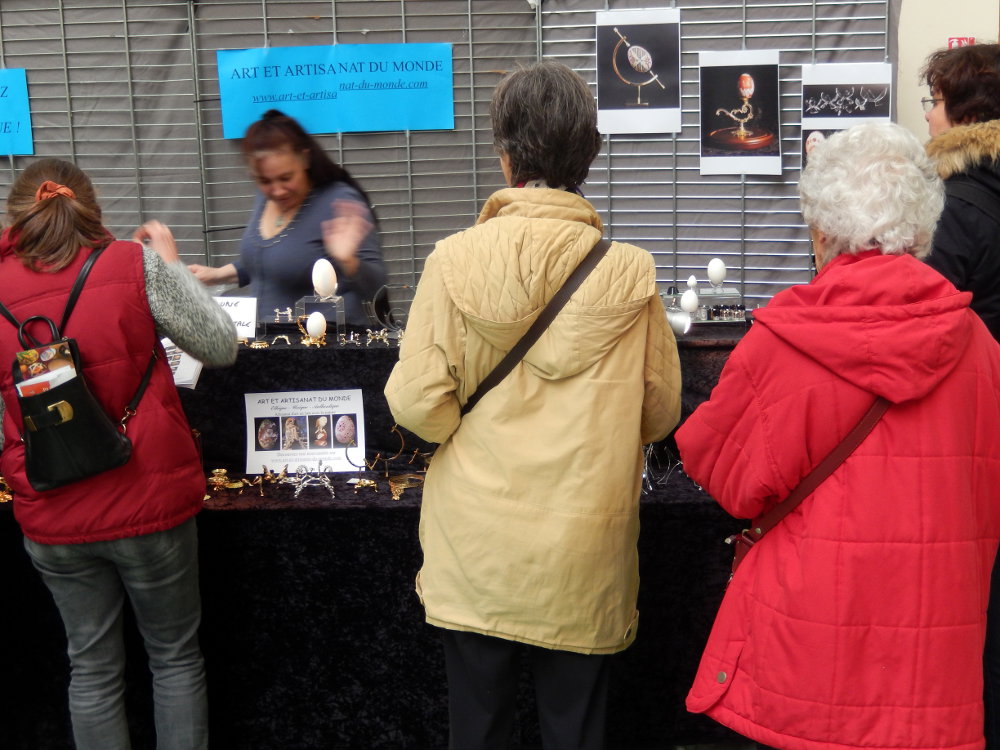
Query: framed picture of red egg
{"x":740,"y":112}
{"x":639,"y":71}
{"x":305,"y":429}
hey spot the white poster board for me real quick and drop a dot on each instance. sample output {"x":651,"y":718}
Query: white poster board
{"x":302,"y":428}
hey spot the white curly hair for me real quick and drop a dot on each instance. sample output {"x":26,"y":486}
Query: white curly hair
{"x":872,"y":186}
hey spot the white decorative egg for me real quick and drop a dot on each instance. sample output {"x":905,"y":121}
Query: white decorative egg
{"x":324,"y":278}
{"x":716,"y":271}
{"x":316,"y":324}
{"x":692,"y":282}
{"x":689,"y":301}
{"x":680,"y":321}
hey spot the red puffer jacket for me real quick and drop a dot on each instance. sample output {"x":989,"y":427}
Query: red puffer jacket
{"x":859,"y":620}
{"x":162,"y":484}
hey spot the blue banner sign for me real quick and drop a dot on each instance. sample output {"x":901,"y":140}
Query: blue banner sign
{"x":15,"y":114}
{"x":341,"y":88}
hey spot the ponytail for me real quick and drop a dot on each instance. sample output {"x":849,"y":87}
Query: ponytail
{"x":53,"y":213}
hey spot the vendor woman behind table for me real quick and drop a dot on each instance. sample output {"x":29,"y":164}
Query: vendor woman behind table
{"x":300,"y":189}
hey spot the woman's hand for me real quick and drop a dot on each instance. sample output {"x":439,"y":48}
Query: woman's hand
{"x":344,"y":233}
{"x":160,"y":238}
{"x":210,"y":276}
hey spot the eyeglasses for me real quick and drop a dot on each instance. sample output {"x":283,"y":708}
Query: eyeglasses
{"x":929,"y":102}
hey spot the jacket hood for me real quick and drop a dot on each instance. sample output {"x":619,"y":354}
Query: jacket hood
{"x":886,"y":323}
{"x":963,"y":147}
{"x":502,"y":272}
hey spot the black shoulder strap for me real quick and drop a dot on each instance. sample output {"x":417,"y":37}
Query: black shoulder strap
{"x":978,"y":195}
{"x":558,"y":301}
{"x":74,"y":293}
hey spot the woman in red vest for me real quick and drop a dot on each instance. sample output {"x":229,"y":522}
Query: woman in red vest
{"x":129,"y":531}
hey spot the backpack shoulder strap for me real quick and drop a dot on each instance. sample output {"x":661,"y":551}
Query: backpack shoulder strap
{"x":74,"y":293}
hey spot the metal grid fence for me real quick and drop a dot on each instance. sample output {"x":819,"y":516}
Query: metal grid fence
{"x":129,"y":90}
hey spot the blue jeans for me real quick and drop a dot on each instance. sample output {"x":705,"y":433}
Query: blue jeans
{"x":159,"y":572}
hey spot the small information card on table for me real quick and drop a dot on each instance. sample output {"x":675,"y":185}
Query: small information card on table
{"x":300,"y":429}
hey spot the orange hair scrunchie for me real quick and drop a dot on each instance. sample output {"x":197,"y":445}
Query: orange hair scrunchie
{"x":50,"y":189}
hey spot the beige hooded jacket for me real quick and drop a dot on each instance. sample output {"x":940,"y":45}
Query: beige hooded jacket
{"x":530,"y":506}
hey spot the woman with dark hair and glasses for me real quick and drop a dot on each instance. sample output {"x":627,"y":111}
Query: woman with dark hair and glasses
{"x":530,"y":510}
{"x":301,"y":190}
{"x":963,"y":116}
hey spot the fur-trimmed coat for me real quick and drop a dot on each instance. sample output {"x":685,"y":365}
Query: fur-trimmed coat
{"x":967,"y":241}
{"x":531,"y":504}
{"x":858,"y":621}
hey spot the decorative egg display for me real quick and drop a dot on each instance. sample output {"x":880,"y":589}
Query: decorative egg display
{"x":640,"y":59}
{"x":344,"y":431}
{"x":689,"y":301}
{"x":716,"y":271}
{"x":316,"y":324}
{"x":746,"y":85}
{"x":692,"y":282}
{"x":324,"y":278}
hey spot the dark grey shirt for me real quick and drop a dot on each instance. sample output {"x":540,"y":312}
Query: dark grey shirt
{"x":279,"y":269}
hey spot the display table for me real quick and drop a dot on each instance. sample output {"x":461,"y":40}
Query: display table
{"x":312,"y":634}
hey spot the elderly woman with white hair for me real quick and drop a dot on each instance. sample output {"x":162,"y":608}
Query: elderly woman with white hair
{"x":858,"y":619}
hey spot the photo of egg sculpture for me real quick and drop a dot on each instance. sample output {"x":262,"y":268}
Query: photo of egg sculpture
{"x":267,"y":434}
{"x":344,"y":431}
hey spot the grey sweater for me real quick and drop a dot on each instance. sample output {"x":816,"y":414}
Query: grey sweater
{"x":184,"y":311}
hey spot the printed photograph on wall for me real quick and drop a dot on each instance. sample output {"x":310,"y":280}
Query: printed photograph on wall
{"x":740,"y":112}
{"x":837,"y":96}
{"x":812,"y":138}
{"x":639,"y":71}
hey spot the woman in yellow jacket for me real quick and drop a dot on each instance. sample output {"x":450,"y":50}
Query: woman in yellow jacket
{"x":530,"y":508}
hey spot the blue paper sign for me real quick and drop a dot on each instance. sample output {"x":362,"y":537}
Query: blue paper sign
{"x":339,"y":88}
{"x":15,"y":115}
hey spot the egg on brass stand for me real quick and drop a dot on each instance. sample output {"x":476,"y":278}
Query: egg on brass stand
{"x":313,"y":328}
